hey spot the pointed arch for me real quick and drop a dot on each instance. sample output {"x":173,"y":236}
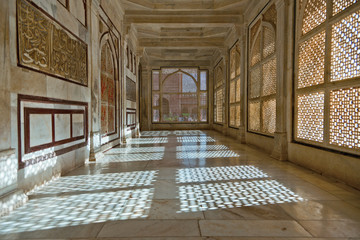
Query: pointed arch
{"x":108,"y":85}
{"x":180,"y":98}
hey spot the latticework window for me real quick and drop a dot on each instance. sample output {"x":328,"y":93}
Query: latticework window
{"x":179,"y":95}
{"x":108,"y":91}
{"x":262,"y":74}
{"x":327,"y":109}
{"x":219,"y":93}
{"x":234,"y":98}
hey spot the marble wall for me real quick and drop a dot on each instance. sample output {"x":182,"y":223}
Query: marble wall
{"x":50,"y":87}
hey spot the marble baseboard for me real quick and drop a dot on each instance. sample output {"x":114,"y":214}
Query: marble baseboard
{"x":11,"y":201}
{"x":8,"y":171}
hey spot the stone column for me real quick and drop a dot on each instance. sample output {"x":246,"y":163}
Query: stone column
{"x":147,"y":96}
{"x":280,"y":136}
{"x":139,"y":54}
{"x":211,"y":97}
{"x":243,"y":72}
{"x":225,"y":57}
{"x":94,"y":82}
{"x":123,"y":91}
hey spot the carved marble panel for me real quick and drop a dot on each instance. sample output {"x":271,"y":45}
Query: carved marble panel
{"x":130,"y":90}
{"x":44,"y":45}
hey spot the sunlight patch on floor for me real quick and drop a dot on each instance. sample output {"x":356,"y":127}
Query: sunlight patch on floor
{"x":205,"y":174}
{"x":204,"y":197}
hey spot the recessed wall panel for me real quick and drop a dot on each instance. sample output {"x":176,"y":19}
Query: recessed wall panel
{"x":40,"y":129}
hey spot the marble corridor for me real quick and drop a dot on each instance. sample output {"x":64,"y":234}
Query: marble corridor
{"x":187,"y":185}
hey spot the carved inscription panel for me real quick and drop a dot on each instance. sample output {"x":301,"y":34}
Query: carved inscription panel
{"x":46,"y":46}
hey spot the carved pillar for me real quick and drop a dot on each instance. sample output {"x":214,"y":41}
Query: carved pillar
{"x":280,"y":146}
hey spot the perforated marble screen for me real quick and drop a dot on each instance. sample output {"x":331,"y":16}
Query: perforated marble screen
{"x":327,"y":71}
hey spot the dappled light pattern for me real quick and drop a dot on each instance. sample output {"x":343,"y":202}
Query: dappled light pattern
{"x":147,"y":140}
{"x":213,"y":196}
{"x":80,"y":209}
{"x":188,"y":132}
{"x":192,"y":175}
{"x":88,"y":183}
{"x":168,"y":133}
{"x":195,"y":139}
{"x":155,"y":133}
{"x":130,"y":149}
{"x":8,"y":204}
{"x":133,"y":157}
{"x":201,"y":148}
{"x":207,"y":154}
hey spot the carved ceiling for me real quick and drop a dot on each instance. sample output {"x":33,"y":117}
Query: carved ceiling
{"x":181,"y":30}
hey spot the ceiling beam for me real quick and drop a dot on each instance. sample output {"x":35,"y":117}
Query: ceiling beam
{"x":145,"y":4}
{"x":164,"y":19}
{"x":181,"y":13}
{"x":181,"y":42}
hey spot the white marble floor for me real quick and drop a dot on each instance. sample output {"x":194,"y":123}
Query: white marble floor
{"x":187,"y":185}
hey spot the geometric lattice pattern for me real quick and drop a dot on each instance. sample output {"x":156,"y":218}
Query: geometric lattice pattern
{"x":176,"y":93}
{"x":254,"y":116}
{"x":219,"y":105}
{"x":255,"y":82}
{"x":155,"y":96}
{"x":340,"y":5}
{"x":345,"y":48}
{"x":314,"y":15}
{"x":330,"y":116}
{"x":234,"y":100}
{"x":238,"y":95}
{"x":255,"y":52}
{"x":237,"y":114}
{"x":312,"y":61}
{"x":97,"y":182}
{"x":206,"y":154}
{"x":194,"y":139}
{"x":310,"y":116}
{"x":269,"y":42}
{"x":345,"y":117}
{"x":219,"y":75}
{"x":219,"y":93}
{"x":232,"y":91}
{"x":269,"y":116}
{"x":205,"y":174}
{"x":269,"y":77}
{"x":165,"y":72}
{"x":232,"y":115}
{"x":232,"y":63}
{"x":212,"y":196}
{"x":155,"y":80}
{"x":156,"y":115}
{"x":263,"y":77}
{"x":271,"y":15}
